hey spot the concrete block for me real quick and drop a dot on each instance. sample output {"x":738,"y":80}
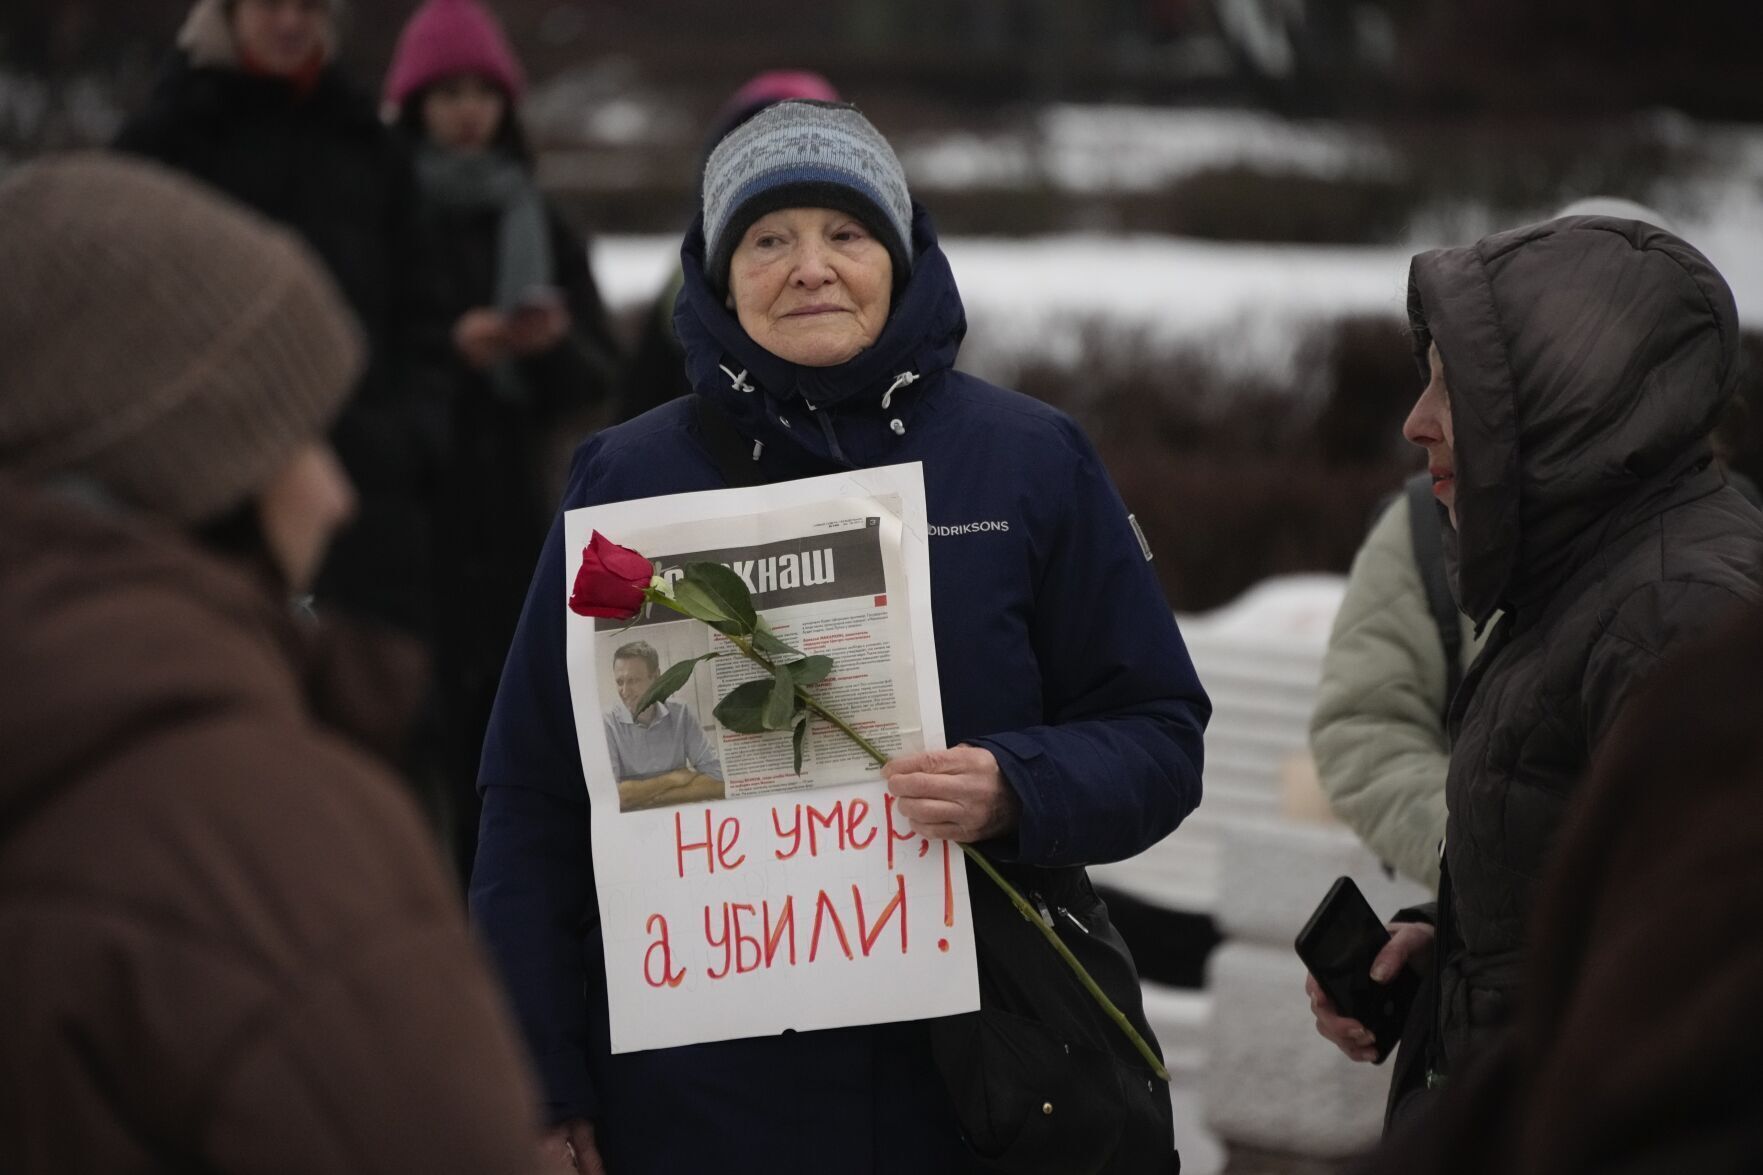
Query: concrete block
{"x":1269,"y":1080}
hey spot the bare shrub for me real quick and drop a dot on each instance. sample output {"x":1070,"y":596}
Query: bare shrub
{"x":1234,"y":476}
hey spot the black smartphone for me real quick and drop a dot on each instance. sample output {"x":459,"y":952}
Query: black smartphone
{"x":1338,"y":945}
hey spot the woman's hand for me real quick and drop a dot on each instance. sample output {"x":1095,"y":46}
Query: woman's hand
{"x":569,"y":1146}
{"x":1410,"y":945}
{"x":481,"y":337}
{"x":537,"y":327}
{"x":958,"y":794}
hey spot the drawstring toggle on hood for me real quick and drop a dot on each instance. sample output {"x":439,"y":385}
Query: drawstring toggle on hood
{"x":738,"y":381}
{"x":904,"y":379}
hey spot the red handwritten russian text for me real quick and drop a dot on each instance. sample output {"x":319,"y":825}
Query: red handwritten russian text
{"x":717,"y":848}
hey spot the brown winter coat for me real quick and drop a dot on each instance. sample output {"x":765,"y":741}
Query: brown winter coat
{"x":225,"y":943}
{"x":1641,"y":1035}
{"x":1587,"y":360}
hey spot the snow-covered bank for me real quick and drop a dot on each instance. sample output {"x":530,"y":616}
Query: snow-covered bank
{"x":1104,"y":148}
{"x":1247,"y":305}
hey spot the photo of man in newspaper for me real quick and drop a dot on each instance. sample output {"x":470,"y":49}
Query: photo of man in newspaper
{"x":660,"y":756}
{"x":819,"y":576}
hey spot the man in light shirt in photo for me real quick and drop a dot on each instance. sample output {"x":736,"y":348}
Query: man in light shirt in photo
{"x":661,"y":756}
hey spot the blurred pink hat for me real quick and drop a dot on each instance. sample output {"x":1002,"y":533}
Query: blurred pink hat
{"x":760,"y":91}
{"x":448,"y":37}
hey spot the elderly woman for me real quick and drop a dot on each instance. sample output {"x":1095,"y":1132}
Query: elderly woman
{"x":1575,"y":370}
{"x":821,"y":322}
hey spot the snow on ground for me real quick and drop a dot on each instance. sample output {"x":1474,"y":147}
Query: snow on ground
{"x":1136,"y":149}
{"x":1246,"y":306}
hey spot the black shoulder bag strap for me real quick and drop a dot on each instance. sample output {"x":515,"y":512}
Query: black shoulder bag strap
{"x":731,"y":453}
{"x":1429,"y":559}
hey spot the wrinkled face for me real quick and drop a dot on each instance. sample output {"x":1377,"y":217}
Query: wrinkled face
{"x":811,"y":285}
{"x":1429,"y":426}
{"x":633,"y":678}
{"x":281,"y":36}
{"x":463,"y":112}
{"x":301,"y":508}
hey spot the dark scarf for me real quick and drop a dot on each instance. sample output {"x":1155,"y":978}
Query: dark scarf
{"x":492,"y":181}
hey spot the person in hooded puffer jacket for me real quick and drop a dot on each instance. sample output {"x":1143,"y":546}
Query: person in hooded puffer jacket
{"x":533,"y":352}
{"x":228,"y":943}
{"x":1396,"y":652}
{"x":254,"y":103}
{"x":1576,"y":369}
{"x":821,"y":323}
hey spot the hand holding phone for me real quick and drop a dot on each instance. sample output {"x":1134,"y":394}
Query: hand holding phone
{"x":538,"y":321}
{"x":1339,"y":944}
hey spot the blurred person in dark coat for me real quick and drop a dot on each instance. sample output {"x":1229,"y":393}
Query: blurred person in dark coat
{"x":228,"y":943}
{"x":532,"y":354}
{"x":254,"y":103}
{"x":656,"y":370}
{"x":1576,"y":369}
{"x":1638,"y":1043}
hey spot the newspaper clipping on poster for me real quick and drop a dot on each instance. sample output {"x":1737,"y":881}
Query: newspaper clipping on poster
{"x":738,"y":896}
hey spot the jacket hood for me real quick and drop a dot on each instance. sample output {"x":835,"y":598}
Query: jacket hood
{"x":1587,"y":360}
{"x":113,"y":626}
{"x":843,"y":416}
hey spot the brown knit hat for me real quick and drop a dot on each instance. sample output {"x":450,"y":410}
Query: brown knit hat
{"x":158,"y":338}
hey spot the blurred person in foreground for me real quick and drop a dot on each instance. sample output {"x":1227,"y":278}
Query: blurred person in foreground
{"x":532,"y":354}
{"x":1638,"y":1042}
{"x":655,"y":372}
{"x":821,"y":323}
{"x":254,"y":103}
{"x":1576,"y":369}
{"x":228,"y":943}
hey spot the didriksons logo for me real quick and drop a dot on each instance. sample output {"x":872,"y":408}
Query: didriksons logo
{"x":989,"y":525}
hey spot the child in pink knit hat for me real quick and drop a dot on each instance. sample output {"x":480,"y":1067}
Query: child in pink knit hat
{"x":532,"y":351}
{"x":450,"y":38}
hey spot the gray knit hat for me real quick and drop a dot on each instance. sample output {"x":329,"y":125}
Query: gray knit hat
{"x":158,"y":338}
{"x":804,"y":154}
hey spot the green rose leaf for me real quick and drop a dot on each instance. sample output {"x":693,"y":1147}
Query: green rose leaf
{"x":723,"y":590}
{"x":780,"y":707}
{"x":800,"y":739}
{"x":669,"y":683}
{"x":809,"y":670}
{"x":695,"y":602}
{"x":765,"y":641}
{"x":743,"y":711}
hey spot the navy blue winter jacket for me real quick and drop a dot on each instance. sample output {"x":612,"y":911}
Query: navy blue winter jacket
{"x":1056,"y":651}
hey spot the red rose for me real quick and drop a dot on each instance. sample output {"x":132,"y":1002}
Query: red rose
{"x":611,"y":580}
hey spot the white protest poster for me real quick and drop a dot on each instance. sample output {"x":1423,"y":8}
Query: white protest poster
{"x":739,"y":897}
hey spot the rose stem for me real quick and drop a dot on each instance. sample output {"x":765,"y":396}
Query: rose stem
{"x":979,"y":858}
